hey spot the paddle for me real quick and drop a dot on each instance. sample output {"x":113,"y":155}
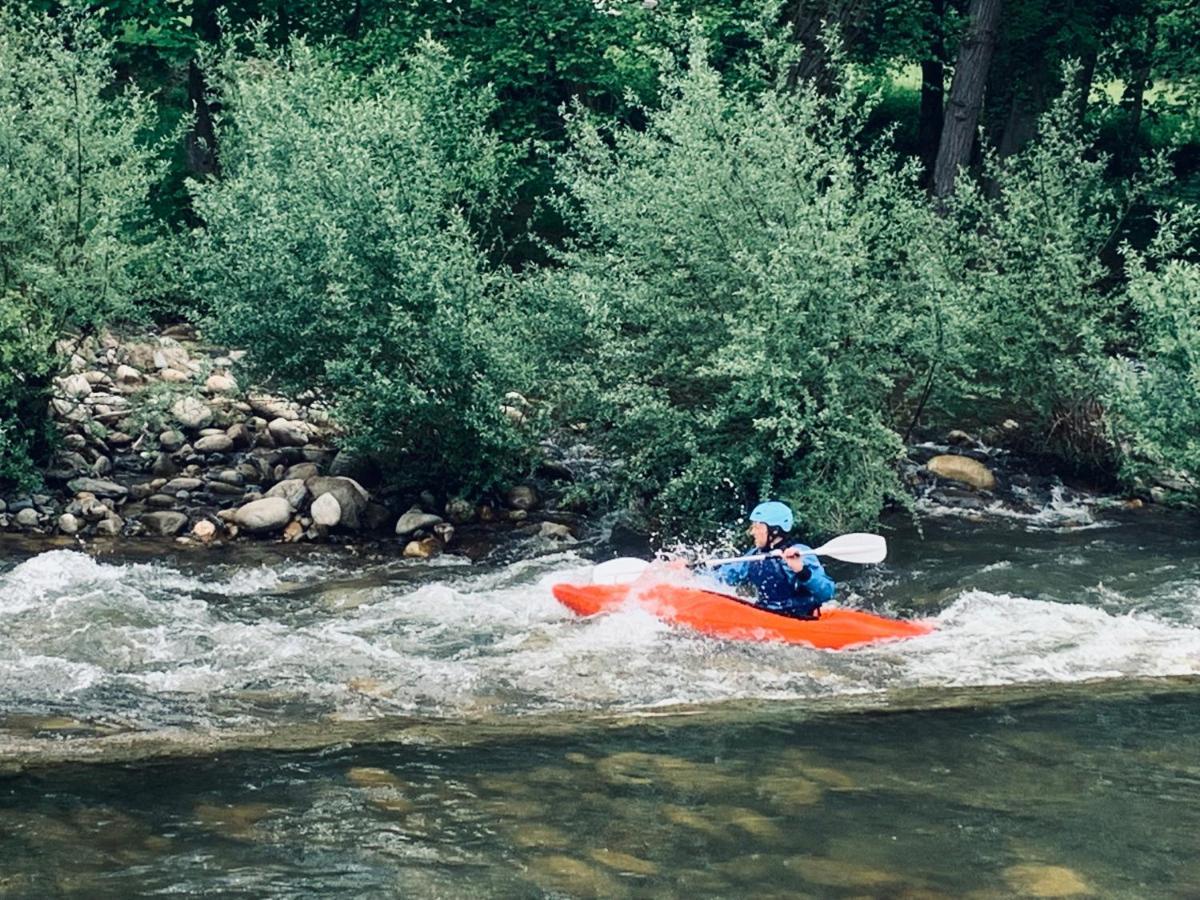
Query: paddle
{"x":858,"y":547}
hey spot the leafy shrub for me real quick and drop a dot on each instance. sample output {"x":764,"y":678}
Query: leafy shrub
{"x":1154,"y":401}
{"x":748,"y":294}
{"x":76,"y":246}
{"x":341,"y":245}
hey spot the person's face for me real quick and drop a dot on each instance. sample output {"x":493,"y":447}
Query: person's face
{"x":758,"y":531}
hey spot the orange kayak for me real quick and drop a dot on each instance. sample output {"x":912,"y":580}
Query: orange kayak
{"x":721,"y":615}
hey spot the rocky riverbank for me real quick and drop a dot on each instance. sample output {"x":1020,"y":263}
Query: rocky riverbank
{"x":159,"y":438}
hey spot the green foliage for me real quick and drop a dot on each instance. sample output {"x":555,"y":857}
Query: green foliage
{"x":744,"y":299}
{"x":340,"y":245}
{"x":1027,"y":275}
{"x":76,"y":250}
{"x":1154,"y":400}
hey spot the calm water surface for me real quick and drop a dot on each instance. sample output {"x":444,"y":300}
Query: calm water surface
{"x":330,"y":725}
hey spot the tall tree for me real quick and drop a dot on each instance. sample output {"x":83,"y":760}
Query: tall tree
{"x":966,"y":93}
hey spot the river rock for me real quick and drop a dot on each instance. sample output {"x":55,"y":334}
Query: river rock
{"x":555,"y":532}
{"x":191,"y":412}
{"x":171,"y":440}
{"x":292,"y":490}
{"x":964,"y":470}
{"x":287,"y":433}
{"x":175,"y":485}
{"x":220,"y":384}
{"x":273,"y":407}
{"x":351,"y":496}
{"x":326,"y":510}
{"x":1046,"y":881}
{"x":75,"y":386}
{"x":128,"y":374}
{"x":423,"y":549}
{"x":303,"y":471}
{"x":68,"y":524}
{"x":204,"y":531}
{"x":523,"y":496}
{"x":74,"y":441}
{"x":414,"y":520}
{"x":214,"y":443}
{"x":267,"y":514}
{"x":164,"y":523}
{"x":174,"y":376}
{"x":110,"y":527}
{"x":228,"y":476}
{"x":294,"y":531}
{"x":98,"y":487}
{"x":28,"y":518}
{"x":239,"y":434}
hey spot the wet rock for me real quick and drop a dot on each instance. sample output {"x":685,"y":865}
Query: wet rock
{"x":326,"y":510}
{"x":426,"y":548}
{"x":164,"y":466}
{"x":68,"y":524}
{"x":352,"y":498}
{"x":959,"y":438}
{"x":536,"y":835}
{"x":237,"y":821}
{"x":225,"y":489}
{"x":523,"y":496}
{"x":267,"y":514}
{"x":375,"y":517}
{"x":292,"y":490}
{"x":964,"y":470}
{"x":204,"y":531}
{"x":414,"y":520}
{"x":1046,"y":881}
{"x":555,"y":532}
{"x":624,"y":862}
{"x":239,"y":434}
{"x":517,"y":515}
{"x":839,"y":873}
{"x":444,"y":532}
{"x":165,"y":523}
{"x":99,"y":488}
{"x":287,"y":433}
{"x":228,"y":476}
{"x":193,"y":413}
{"x":74,"y":441}
{"x":161,"y":501}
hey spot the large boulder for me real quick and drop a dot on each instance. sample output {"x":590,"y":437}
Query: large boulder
{"x":351,"y":496}
{"x":962,"y":469}
{"x":267,"y":514}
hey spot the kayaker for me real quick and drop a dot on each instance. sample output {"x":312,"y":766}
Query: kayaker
{"x":793,"y":583}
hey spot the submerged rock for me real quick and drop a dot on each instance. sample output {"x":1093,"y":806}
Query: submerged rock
{"x":1033,"y":880}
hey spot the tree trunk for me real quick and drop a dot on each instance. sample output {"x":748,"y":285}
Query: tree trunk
{"x":1141,"y":79}
{"x":966,"y":94}
{"x":933,"y":94}
{"x":809,"y":20}
{"x":201,"y":141}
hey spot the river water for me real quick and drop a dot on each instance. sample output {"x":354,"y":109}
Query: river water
{"x":329,"y":723}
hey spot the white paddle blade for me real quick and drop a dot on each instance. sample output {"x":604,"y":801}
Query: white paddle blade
{"x":858,"y":547}
{"x":619,"y":570}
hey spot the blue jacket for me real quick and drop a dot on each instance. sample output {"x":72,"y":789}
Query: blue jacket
{"x":780,"y":589}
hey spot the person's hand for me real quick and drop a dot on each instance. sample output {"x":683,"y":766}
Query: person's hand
{"x":794,"y":559}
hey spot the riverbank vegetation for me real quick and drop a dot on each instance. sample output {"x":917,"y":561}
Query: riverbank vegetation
{"x":737,"y":253}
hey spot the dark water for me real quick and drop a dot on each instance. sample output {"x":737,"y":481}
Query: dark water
{"x":335,"y":726}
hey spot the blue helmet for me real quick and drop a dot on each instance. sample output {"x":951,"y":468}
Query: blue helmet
{"x":773,"y":514}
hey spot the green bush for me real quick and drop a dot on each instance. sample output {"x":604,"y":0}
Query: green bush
{"x":341,"y":246}
{"x":747,"y":300}
{"x":1154,"y":401}
{"x":76,"y":246}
